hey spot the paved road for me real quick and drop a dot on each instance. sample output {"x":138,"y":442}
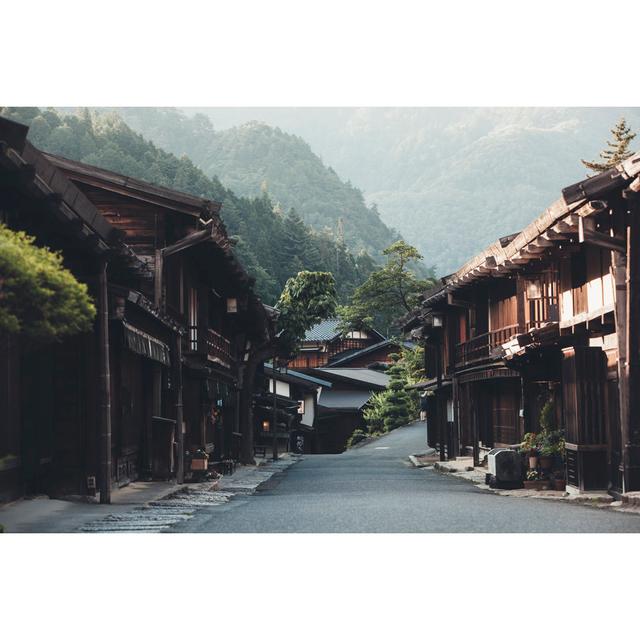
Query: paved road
{"x":374,"y":489}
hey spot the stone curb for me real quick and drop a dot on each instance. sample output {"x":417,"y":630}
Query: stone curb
{"x":629,"y":504}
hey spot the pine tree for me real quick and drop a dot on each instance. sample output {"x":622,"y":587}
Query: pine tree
{"x":295,"y":240}
{"x":395,"y":412}
{"x":617,"y":151}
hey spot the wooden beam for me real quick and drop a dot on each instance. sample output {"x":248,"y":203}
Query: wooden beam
{"x":587,"y":234}
{"x":567,"y":225}
{"x":554,"y":236}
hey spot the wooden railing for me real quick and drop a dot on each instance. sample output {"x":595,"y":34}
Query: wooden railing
{"x":218,"y":348}
{"x":480,"y":347}
{"x":209,"y":343}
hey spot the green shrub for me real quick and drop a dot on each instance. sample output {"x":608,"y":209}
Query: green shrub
{"x":39,"y":298}
{"x":357,"y":436}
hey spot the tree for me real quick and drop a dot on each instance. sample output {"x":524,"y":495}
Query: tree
{"x":39,"y":298}
{"x":396,"y":405}
{"x":307,"y":299}
{"x":396,"y":410}
{"x":617,"y":151}
{"x":295,"y":239}
{"x":388,"y":293}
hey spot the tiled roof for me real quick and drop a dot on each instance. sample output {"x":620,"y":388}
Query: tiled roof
{"x":356,"y":353}
{"x":376,"y":379}
{"x":325,"y":330}
{"x":296,"y":374}
{"x":344,"y":400}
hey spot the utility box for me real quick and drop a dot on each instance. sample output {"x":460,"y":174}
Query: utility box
{"x":505,"y":469}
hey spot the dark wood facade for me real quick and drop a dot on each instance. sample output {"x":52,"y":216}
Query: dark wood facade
{"x":161,"y":374}
{"x":544,"y":314}
{"x":321,"y":347}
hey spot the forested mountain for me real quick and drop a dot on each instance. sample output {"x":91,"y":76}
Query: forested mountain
{"x":254,"y":157}
{"x":272,"y":245}
{"x":450,"y":180}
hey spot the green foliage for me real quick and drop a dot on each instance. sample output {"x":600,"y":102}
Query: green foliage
{"x":617,"y":151}
{"x":389,"y":292}
{"x":357,"y":436}
{"x":374,"y":411}
{"x":255,"y":158}
{"x":548,"y":416}
{"x":396,"y":405}
{"x":272,"y":247}
{"x":307,"y":298}
{"x":551,"y":443}
{"x":396,"y":410}
{"x":39,"y":298}
{"x":530,"y":443}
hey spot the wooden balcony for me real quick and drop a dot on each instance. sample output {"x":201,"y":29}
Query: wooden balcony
{"x":209,"y":343}
{"x":479,"y":348}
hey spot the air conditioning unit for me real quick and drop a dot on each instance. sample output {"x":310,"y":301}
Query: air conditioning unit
{"x":505,"y":469}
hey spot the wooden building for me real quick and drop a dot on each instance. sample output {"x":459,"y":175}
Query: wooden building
{"x":340,"y":408}
{"x":296,"y":410}
{"x":324,"y":343}
{"x":548,"y":313}
{"x":197,"y":282}
{"x":376,"y":355}
{"x":164,"y":371}
{"x":55,"y":419}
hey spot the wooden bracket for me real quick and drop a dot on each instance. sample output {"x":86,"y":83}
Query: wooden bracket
{"x":587,"y":234}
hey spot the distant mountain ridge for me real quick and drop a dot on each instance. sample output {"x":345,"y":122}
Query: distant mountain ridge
{"x":254,"y":157}
{"x":450,"y":180}
{"x":271,"y":246}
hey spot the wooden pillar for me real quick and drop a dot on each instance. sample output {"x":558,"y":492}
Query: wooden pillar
{"x":456,"y":418}
{"x":105,"y":387}
{"x":520,"y":303}
{"x":442,"y":422}
{"x":475,"y":425}
{"x":246,"y":380}
{"x":179,"y":410}
{"x":631,"y":422}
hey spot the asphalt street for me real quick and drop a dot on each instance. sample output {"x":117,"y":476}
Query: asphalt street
{"x":375,"y":489}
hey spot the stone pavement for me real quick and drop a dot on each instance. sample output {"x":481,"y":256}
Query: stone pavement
{"x":463,"y":468}
{"x":139,"y":507}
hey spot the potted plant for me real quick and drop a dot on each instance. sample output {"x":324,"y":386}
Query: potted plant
{"x":535,"y":480}
{"x":559,"y":481}
{"x":552,"y":446}
{"x":532,"y":480}
{"x":529,"y":447}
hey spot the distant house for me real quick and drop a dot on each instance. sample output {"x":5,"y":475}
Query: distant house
{"x":375,"y":355}
{"x":340,"y":408}
{"x":324,"y":343}
{"x":296,"y":411}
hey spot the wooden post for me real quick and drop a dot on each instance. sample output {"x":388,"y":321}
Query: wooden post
{"x":274,"y":421}
{"x":442,"y":425}
{"x":105,"y":386}
{"x":520,"y":303}
{"x":179,"y":410}
{"x":631,"y":424}
{"x":456,"y":419}
{"x":473,"y":412}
